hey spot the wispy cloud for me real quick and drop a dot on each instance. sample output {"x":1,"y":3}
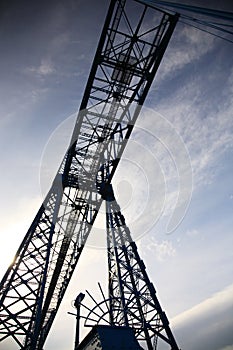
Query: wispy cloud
{"x":46,"y":67}
{"x":219,"y":302}
{"x":229,"y":347}
{"x":161,"y":250}
{"x":212,"y":320}
{"x":157,"y":154}
{"x":204,"y":123}
{"x":188,"y":46}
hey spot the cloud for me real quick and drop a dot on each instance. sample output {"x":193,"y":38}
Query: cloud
{"x":166,"y":163}
{"x":218,"y":302}
{"x":192,"y":233}
{"x":212,"y":321}
{"x":162,"y":250}
{"x":189,"y":45}
{"x":200,"y":102}
{"x":201,"y":113}
{"x":45,"y":68}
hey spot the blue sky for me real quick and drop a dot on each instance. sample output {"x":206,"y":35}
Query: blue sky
{"x":46,"y":53}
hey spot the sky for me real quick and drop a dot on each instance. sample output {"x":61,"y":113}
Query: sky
{"x":178,"y":207}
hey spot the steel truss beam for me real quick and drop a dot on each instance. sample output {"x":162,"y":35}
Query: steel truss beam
{"x":128,"y":55}
{"x":133,"y":300}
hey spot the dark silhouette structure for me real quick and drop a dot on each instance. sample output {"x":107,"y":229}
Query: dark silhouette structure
{"x":128,"y":55}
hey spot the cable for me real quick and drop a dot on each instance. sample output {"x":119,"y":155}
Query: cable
{"x":228,"y":16}
{"x":208,"y":24}
{"x":206,"y":31}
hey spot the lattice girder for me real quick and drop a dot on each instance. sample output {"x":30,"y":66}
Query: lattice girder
{"x":133,"y":300}
{"x":127,"y":58}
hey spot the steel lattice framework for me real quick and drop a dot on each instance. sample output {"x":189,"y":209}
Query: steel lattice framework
{"x":132,"y":296}
{"x":128,"y":55}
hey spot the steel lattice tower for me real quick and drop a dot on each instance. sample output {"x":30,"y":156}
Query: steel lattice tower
{"x":132,"y":296}
{"x":127,"y":58}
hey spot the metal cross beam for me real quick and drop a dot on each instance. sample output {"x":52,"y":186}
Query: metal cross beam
{"x":127,"y":58}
